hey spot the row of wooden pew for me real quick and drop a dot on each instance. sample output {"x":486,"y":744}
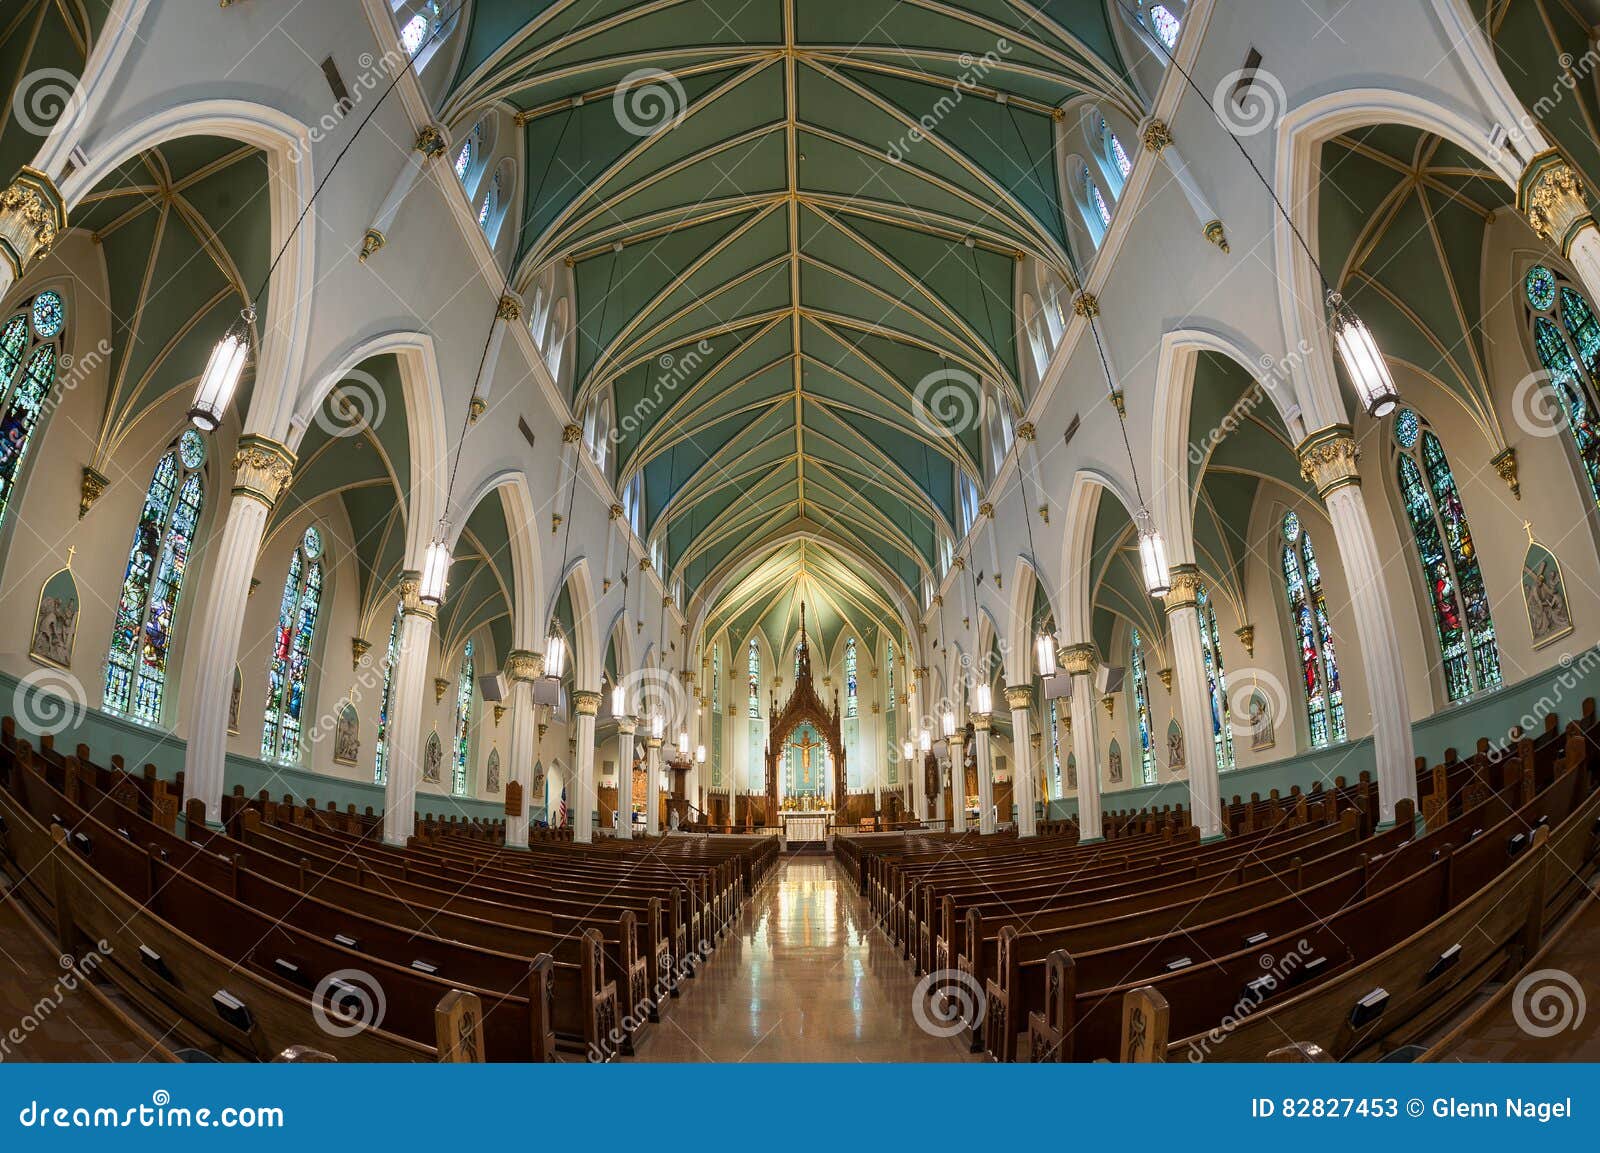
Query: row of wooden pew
{"x":246,"y":939}
{"x":1307,"y":920}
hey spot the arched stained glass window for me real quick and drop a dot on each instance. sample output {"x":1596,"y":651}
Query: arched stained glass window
{"x":141,"y":639}
{"x":1118,"y":155}
{"x":1468,"y":651}
{"x":491,"y":201}
{"x":850,"y":677}
{"x":716,"y":716}
{"x":1164,"y":24}
{"x":1141,"y":710}
{"x":461,"y":753}
{"x":1313,"y":635}
{"x":464,"y":155}
{"x":291,"y":650}
{"x":1055,"y":749}
{"x":1098,"y":202}
{"x":1566,"y":337}
{"x":753,"y":664}
{"x":391,"y":658}
{"x":30,"y":350}
{"x":1216,"y":682}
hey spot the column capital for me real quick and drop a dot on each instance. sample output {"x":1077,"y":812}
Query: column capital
{"x":524,"y":665}
{"x":653,"y":743}
{"x":411,"y":602}
{"x":1079,"y":660}
{"x":430,"y":141}
{"x":920,"y":672}
{"x":1019,"y":697}
{"x":1550,"y":195}
{"x":32,"y":215}
{"x":986,"y":508}
{"x":571,"y":434}
{"x":1086,"y":304}
{"x":585,"y":703}
{"x":625,"y":726}
{"x":1184,"y":592}
{"x":981,"y":722}
{"x":616,"y":511}
{"x":509,"y":308}
{"x":1156,"y":136}
{"x":262,"y":468}
{"x":1328,"y":459}
{"x":1025,"y":430}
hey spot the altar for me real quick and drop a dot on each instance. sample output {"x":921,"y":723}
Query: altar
{"x":800,"y":826}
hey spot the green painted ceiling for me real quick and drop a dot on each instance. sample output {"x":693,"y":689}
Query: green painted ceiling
{"x":1402,"y":217}
{"x":184,"y":229}
{"x":760,"y":286}
{"x":37,"y":36}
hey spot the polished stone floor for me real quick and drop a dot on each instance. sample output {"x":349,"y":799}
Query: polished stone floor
{"x":805,"y":976}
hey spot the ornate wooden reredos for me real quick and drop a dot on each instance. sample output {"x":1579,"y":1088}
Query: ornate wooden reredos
{"x":805,"y":705}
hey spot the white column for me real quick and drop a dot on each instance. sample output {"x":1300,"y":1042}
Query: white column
{"x":586,"y":704}
{"x":958,"y":783}
{"x":625,"y":778}
{"x":407,"y":696}
{"x":1328,"y":460}
{"x":921,"y":802}
{"x":1020,"y":699}
{"x":1080,"y":661}
{"x":652,"y":786}
{"x":261,"y":473}
{"x":878,"y":762}
{"x":520,"y":665}
{"x":986,"y":814}
{"x":430,"y":143}
{"x":1193,"y":691}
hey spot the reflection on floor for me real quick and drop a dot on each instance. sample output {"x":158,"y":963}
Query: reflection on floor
{"x":805,"y":976}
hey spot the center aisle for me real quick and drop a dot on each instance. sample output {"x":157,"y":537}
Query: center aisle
{"x":806,"y":975}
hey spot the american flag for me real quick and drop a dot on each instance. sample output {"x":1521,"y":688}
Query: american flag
{"x":561,"y":809}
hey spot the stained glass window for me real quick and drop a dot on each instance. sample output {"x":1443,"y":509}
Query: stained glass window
{"x":753,"y":663}
{"x":464,"y":157}
{"x":1406,"y":428}
{"x":716,"y":717}
{"x":1468,"y":652}
{"x":461,"y":754}
{"x":1120,"y":157}
{"x":1165,"y":25}
{"x":391,"y":658}
{"x":29,"y":354}
{"x":1099,"y":202}
{"x":1055,"y":749}
{"x":850,"y":677}
{"x":141,"y":638}
{"x":1567,"y":340}
{"x":1141,"y":709}
{"x":1313,"y":635}
{"x":491,"y":201}
{"x":414,"y":33}
{"x":291,"y":650}
{"x":1216,"y":682}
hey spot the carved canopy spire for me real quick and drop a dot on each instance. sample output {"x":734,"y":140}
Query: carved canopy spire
{"x":802,"y":655}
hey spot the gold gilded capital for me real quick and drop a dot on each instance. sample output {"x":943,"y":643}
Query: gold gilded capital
{"x":524,"y":665}
{"x":1157,"y":136}
{"x":430,"y":142}
{"x":1185,"y":590}
{"x":1079,"y":660}
{"x":585,"y":703}
{"x":32,"y":215}
{"x":509,"y":308}
{"x":1019,"y":696}
{"x":1550,"y":195}
{"x":1328,"y":459}
{"x":262,"y":469}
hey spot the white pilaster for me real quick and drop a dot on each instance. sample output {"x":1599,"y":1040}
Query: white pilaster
{"x":1080,"y":662}
{"x":1194,"y":699}
{"x":1020,"y":698}
{"x":624,"y":779}
{"x":986,"y":814}
{"x":652,"y":786}
{"x":958,"y":783}
{"x":586,"y":704}
{"x":408,"y":688}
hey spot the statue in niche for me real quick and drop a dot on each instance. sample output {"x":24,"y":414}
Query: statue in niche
{"x":432,"y":758}
{"x":1175,"y":753}
{"x":1544,"y":593}
{"x":1261,"y":732}
{"x":537,"y":793}
{"x":494,"y":771}
{"x":346,"y":735}
{"x":55,"y":622}
{"x":233,"y":701}
{"x":1114,"y":764}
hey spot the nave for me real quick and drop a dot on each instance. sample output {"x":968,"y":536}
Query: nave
{"x":807,"y":975}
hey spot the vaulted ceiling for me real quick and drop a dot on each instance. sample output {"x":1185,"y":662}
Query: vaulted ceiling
{"x":804,"y":210}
